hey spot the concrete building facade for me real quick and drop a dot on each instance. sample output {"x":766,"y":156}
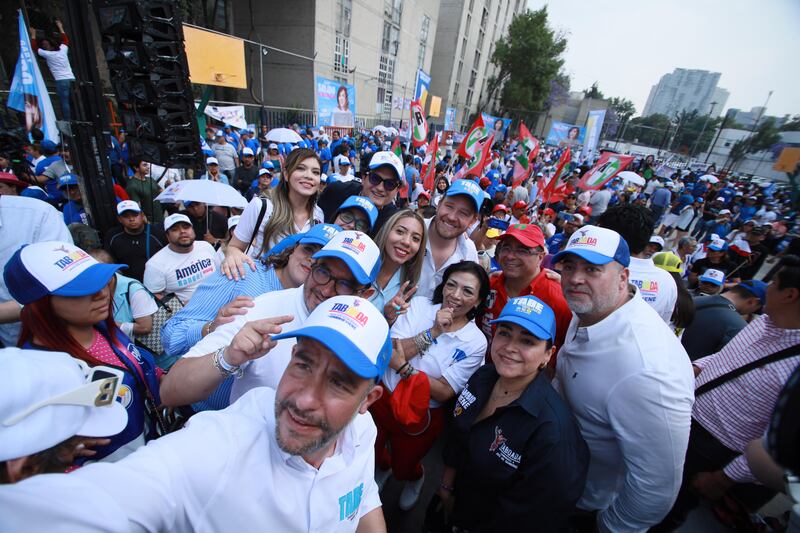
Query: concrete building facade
{"x":686,"y":90}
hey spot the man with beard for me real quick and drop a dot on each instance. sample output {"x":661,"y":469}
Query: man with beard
{"x":629,"y":383}
{"x":297,"y":458}
{"x":135,"y":241}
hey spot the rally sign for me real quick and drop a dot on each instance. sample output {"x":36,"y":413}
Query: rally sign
{"x":419,"y":126}
{"x":608,"y":166}
{"x":477,"y":134}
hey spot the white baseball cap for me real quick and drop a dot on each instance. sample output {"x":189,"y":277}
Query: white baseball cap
{"x":358,"y":251}
{"x":262,"y":171}
{"x":128,"y":205}
{"x":717,"y":277}
{"x":387,"y":159}
{"x":212,"y":161}
{"x":53,"y":267}
{"x":353,"y":329}
{"x":657,"y":239}
{"x":233,"y":221}
{"x":48,"y":397}
{"x":597,"y":245}
{"x":174,"y":219}
{"x":272,"y":146}
{"x":247,"y":151}
{"x":725,"y":212}
{"x":342,"y":160}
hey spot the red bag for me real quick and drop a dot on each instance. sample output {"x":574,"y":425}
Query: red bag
{"x":410,"y":402}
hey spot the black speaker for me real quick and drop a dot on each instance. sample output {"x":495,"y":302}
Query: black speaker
{"x":143,"y":46}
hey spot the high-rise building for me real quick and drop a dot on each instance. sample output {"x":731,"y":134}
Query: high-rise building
{"x":465,"y":36}
{"x":686,"y":90}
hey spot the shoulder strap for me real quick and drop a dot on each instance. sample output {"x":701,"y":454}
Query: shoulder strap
{"x":258,"y":224}
{"x":147,"y":241}
{"x":733,"y":374}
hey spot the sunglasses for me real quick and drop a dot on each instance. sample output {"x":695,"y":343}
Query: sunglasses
{"x":99,"y":390}
{"x":390,"y":184}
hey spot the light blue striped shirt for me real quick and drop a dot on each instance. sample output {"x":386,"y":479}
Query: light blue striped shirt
{"x":184,"y":330}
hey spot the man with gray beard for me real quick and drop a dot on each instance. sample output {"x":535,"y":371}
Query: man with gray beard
{"x":629,"y":383}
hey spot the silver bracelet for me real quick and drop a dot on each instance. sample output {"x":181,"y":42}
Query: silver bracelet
{"x":224,"y":367}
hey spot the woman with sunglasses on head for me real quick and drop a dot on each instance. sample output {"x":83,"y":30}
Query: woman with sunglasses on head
{"x":437,"y":347}
{"x":291,"y":208}
{"x":68,"y":307}
{"x":515,"y":454}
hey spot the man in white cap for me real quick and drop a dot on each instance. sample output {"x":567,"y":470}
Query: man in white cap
{"x":135,"y":240}
{"x":225,"y":154}
{"x":380,"y":185}
{"x":343,"y":170}
{"x":629,"y":383}
{"x":212,"y":171}
{"x":183,"y":265}
{"x":346,"y":265}
{"x":245,"y":173}
{"x":297,"y":458}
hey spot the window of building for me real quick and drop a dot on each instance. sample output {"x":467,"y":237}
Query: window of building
{"x":391,"y":38}
{"x":463,"y":47}
{"x":458,"y":71}
{"x":477,"y":60}
{"x":472,"y":77}
{"x":469,"y":97}
{"x":481,"y":34}
{"x":455,"y":92}
{"x":423,"y":41}
{"x":471,"y":4}
{"x":341,"y":54}
{"x":484,"y":17}
{"x":386,"y":70}
{"x":466,"y":25}
{"x":393,"y":10}
{"x":344,"y":10}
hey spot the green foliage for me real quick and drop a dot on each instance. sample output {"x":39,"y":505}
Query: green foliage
{"x":792,"y":125}
{"x":763,"y":138}
{"x":696,"y":132}
{"x":648,"y":130}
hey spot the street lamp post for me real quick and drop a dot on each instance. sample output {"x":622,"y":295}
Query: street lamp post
{"x":702,"y":130}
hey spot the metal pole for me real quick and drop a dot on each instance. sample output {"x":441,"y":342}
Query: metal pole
{"x":714,"y":144}
{"x":702,"y":130}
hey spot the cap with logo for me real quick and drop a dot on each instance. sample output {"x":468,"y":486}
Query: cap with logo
{"x":529,"y":235}
{"x":128,"y":205}
{"x":267,"y":171}
{"x":467,"y":188}
{"x":47,"y":397}
{"x":530,"y":313}
{"x":53,"y":267}
{"x":717,"y":277}
{"x":318,"y":234}
{"x":387,"y":159}
{"x":67,"y":180}
{"x":596,"y":245}
{"x":342,"y":160}
{"x":756,"y":287}
{"x":363,"y":203}
{"x":353,"y":329}
{"x":668,"y":261}
{"x":212,"y":161}
{"x":174,"y":219}
{"x":247,"y":151}
{"x":358,"y":251}
{"x":657,"y":239}
{"x":272,"y":146}
{"x":717,"y":245}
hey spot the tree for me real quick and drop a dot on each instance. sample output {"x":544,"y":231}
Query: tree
{"x":763,"y":138}
{"x":649,"y":130}
{"x":620,"y":111}
{"x":792,"y":125}
{"x":527,"y":58}
{"x":594,"y":92}
{"x":695,"y":133}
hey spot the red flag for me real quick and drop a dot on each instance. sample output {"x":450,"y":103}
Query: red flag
{"x":419,"y":126}
{"x":561,"y":171}
{"x":429,"y":170}
{"x":608,"y":166}
{"x":396,"y":148}
{"x":478,"y":162}
{"x":477,"y":133}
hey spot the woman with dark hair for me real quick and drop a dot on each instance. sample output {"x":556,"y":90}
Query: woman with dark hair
{"x":440,"y":189}
{"x":342,"y":116}
{"x":437,"y":347}
{"x":68,"y":307}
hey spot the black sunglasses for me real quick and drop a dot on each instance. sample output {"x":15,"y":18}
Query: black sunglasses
{"x":390,"y":184}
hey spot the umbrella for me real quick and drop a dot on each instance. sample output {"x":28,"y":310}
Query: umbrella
{"x":709,"y":178}
{"x":382,"y":129}
{"x":392,"y":131}
{"x":206,"y":191}
{"x":632,"y":177}
{"x":283,"y":135}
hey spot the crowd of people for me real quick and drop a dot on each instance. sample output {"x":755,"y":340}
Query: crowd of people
{"x":589,"y":360}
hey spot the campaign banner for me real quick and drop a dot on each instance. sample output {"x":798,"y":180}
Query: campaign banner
{"x":608,"y":166}
{"x":498,"y":126}
{"x":450,"y":119}
{"x":229,"y":114}
{"x":563,"y":134}
{"x":336,"y":103}
{"x":28,"y":93}
{"x":419,"y":125}
{"x":594,"y":124}
{"x":436,"y":106}
{"x":422,"y":87}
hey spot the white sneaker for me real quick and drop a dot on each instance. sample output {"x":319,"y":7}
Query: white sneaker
{"x":411,"y":492}
{"x":381,"y":477}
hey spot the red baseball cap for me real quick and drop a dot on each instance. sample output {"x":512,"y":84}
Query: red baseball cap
{"x":484,"y":182}
{"x":519,"y":205}
{"x":11,"y":179}
{"x":528,"y":235}
{"x":499,"y":207}
{"x":549,"y":211}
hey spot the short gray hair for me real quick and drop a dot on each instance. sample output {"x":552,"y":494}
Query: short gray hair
{"x":686,"y":240}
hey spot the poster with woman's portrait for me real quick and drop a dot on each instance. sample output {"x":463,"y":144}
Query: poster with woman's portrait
{"x":336,"y":103}
{"x":563,"y":134}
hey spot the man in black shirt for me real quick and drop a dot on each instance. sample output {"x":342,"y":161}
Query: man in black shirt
{"x":716,"y":258}
{"x":758,"y":253}
{"x":245,"y":173}
{"x":380,"y":185}
{"x":136,"y":241}
{"x":207,"y":223}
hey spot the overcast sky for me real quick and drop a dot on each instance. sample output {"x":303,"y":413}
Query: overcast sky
{"x":627,"y":45}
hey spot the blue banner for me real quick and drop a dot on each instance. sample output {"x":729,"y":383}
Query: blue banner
{"x":423,"y":86}
{"x":450,"y":119}
{"x":28,"y":92}
{"x":563,"y":134}
{"x":496,"y":124}
{"x":336,"y":103}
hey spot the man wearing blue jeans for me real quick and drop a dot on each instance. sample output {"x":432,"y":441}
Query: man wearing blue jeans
{"x":58,"y":63}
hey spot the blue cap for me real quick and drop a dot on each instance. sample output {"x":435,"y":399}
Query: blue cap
{"x":318,"y":234}
{"x":714,"y":276}
{"x":596,"y":245}
{"x":756,"y":287}
{"x":363,"y":203}
{"x":48,"y":146}
{"x":532,"y":314}
{"x":67,"y":179}
{"x":467,"y":188}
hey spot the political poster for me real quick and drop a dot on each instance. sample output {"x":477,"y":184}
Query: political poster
{"x":563,"y":134}
{"x":608,"y":166}
{"x":336,"y":103}
{"x":594,"y":124}
{"x":422,"y":87}
{"x":499,"y":126}
{"x":229,"y":114}
{"x":450,"y":119}
{"x":419,"y":125}
{"x":436,"y":106}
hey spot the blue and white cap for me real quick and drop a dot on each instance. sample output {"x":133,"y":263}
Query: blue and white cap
{"x":67,"y":179}
{"x":363,"y":203}
{"x":52,"y":267}
{"x":597,"y":245}
{"x":353,"y":329}
{"x":318,"y":234}
{"x":717,"y":245}
{"x":712,"y":275}
{"x":128,"y":205}
{"x":467,"y":188}
{"x":532,"y":314}
{"x":387,"y":159}
{"x":359,"y":253}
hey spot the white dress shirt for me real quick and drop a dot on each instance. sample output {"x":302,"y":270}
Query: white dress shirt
{"x":223,"y":472}
{"x":431,"y":277}
{"x":656,"y":286}
{"x":630,"y":384}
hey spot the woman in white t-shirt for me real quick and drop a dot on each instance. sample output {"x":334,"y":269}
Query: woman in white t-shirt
{"x":438,"y":340}
{"x":291,"y":208}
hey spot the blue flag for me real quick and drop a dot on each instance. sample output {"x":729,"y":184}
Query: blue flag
{"x":28,"y":92}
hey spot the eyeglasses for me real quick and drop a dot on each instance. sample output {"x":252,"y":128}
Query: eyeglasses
{"x":389,"y":185}
{"x":323,"y":276}
{"x":100,"y":389}
{"x":515,"y":250}
{"x":359,"y":224}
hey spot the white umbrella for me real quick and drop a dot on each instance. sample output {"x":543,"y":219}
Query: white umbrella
{"x":393,"y":131}
{"x":709,"y":178}
{"x":206,"y":191}
{"x":283,"y":135}
{"x":382,"y":129}
{"x":632,"y":177}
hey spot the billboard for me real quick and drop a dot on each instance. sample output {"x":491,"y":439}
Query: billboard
{"x":563,"y":134}
{"x":449,"y":119}
{"x":497,"y":124}
{"x":336,"y":103}
{"x":423,"y":86}
{"x":594,"y":124}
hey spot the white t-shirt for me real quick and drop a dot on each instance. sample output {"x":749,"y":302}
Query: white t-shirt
{"x":265,"y":371}
{"x":223,"y":472}
{"x":58,"y":62}
{"x":169,"y":271}
{"x":431,"y":277}
{"x":685,"y":217}
{"x":656,"y":286}
{"x":142,"y":304}
{"x":454,"y":356}
{"x":247,"y":224}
